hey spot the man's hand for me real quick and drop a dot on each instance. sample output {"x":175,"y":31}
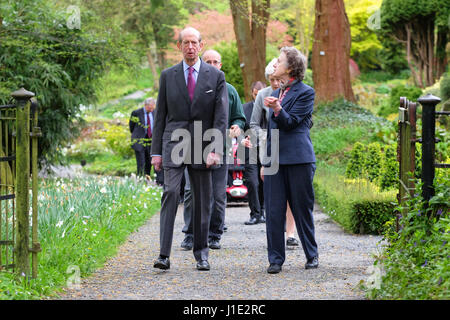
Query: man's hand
{"x":212,"y":159}
{"x":157,"y":162}
{"x":246,"y":142}
{"x":261,"y":173}
{"x":235,"y":131}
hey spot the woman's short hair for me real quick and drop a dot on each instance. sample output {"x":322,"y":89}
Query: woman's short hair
{"x":296,"y":62}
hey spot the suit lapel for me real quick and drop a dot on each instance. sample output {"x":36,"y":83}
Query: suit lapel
{"x":292,"y":93}
{"x":181,"y":82}
{"x":141,"y":117}
{"x":202,"y":80}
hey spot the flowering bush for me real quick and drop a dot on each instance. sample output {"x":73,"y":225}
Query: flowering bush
{"x":81,"y":223}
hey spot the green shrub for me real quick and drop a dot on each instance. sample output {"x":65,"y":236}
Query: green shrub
{"x":445,"y":86}
{"x":383,"y":88}
{"x":231,"y":65}
{"x":118,"y":138}
{"x":415,"y":260}
{"x":112,"y":165}
{"x":356,"y":204}
{"x":372,"y":215}
{"x":86,"y":150}
{"x":410,"y":92}
{"x":373,"y":162}
{"x":355,"y":166}
{"x":389,"y":173}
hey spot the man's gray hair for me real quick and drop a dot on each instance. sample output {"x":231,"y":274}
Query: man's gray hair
{"x":269,"y":68}
{"x":149,"y":101}
{"x":180,"y":35}
{"x":296,"y":62}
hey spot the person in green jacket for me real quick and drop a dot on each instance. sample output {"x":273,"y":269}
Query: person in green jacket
{"x":236,"y":123}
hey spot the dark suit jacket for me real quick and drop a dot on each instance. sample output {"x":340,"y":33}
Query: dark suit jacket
{"x":248,"y":109}
{"x":174,"y":110}
{"x":293,"y":122}
{"x":138,"y":129}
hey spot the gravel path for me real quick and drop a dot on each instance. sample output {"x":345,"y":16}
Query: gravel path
{"x":238,"y":270}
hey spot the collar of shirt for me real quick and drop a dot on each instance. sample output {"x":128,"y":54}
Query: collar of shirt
{"x":196,"y":70}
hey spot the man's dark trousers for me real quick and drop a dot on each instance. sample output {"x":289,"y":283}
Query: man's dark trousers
{"x":251,"y":174}
{"x":200,"y":217}
{"x":143,"y":160}
{"x":218,"y":204}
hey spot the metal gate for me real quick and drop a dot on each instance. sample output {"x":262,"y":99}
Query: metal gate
{"x":15,"y":172}
{"x":406,"y":147}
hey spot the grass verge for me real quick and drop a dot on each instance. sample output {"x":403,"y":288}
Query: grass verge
{"x":81,"y":224}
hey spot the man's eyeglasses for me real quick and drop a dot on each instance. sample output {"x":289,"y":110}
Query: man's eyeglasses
{"x":212,"y":62}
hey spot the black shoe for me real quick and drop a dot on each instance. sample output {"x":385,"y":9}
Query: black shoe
{"x":187,"y":243}
{"x":312,"y":263}
{"x":162,"y":263}
{"x":291,"y":242}
{"x":274,"y":268}
{"x":252,"y":221}
{"x":214,"y":244}
{"x":203,"y":265}
{"x":225,"y":228}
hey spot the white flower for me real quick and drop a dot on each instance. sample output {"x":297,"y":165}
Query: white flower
{"x":86,"y":217}
{"x":72,"y":209}
{"x":145,"y":205}
{"x":59,"y":224}
{"x":103,"y":190}
{"x":64,"y":233}
{"x":84,"y":222}
{"x":94,"y":234}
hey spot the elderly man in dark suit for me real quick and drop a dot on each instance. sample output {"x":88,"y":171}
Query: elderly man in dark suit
{"x":290,"y":113}
{"x":141,"y":127}
{"x":192,"y":101}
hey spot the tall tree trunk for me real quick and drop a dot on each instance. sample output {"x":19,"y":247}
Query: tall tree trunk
{"x":422,"y":53}
{"x":151,"y":63}
{"x":160,"y":50}
{"x":331,"y":52}
{"x":250,"y":31}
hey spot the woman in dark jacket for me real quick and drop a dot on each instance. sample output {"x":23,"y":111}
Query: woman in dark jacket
{"x":291,"y":109}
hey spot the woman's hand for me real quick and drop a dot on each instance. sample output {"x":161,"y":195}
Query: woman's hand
{"x":273,"y":103}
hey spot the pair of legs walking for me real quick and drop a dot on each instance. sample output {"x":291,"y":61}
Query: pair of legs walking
{"x":293,"y":184}
{"x":201,"y":184}
{"x":218,"y":206}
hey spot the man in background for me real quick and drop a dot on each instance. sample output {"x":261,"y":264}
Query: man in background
{"x":141,"y":127}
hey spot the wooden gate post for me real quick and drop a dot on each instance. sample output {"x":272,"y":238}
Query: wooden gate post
{"x":406,"y":149}
{"x":21,"y":249}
